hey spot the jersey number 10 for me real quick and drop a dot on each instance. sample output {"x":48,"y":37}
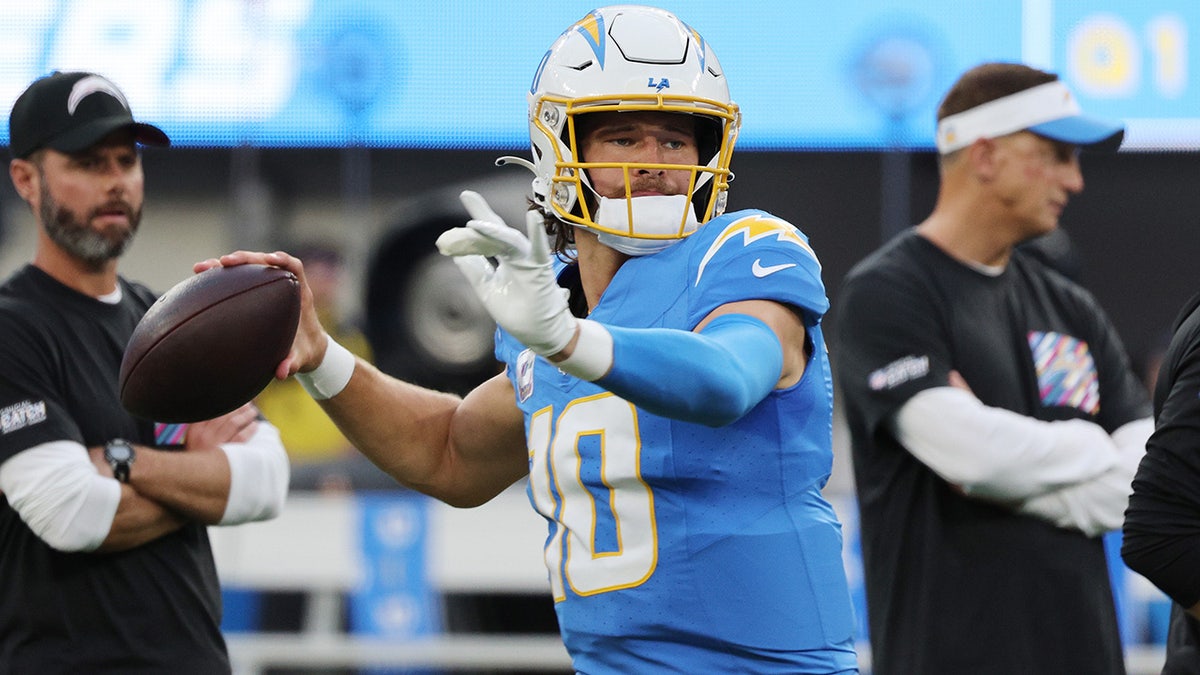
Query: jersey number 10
{"x":585,"y":477}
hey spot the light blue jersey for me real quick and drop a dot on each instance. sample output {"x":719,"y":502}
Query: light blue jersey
{"x":677,"y":547}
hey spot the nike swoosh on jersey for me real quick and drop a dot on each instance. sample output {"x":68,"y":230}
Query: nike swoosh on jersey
{"x":760,"y":271}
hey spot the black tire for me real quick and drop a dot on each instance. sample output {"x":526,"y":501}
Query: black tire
{"x":424,"y":321}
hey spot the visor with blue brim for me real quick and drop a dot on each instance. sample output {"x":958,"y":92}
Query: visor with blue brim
{"x":1048,"y":110}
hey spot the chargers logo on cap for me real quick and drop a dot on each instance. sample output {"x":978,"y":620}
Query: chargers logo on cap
{"x":949,"y":134}
{"x":93,"y":84}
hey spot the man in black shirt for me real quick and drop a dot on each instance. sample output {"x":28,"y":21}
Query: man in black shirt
{"x":103,"y":542}
{"x":1162,"y":524}
{"x":994,"y":418}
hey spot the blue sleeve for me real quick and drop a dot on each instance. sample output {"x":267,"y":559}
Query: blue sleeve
{"x":712,"y":377}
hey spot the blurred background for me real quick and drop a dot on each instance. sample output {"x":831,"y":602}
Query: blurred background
{"x":346,"y":128}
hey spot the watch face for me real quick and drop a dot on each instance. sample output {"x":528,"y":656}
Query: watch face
{"x":119,"y":455}
{"x":119,"y":452}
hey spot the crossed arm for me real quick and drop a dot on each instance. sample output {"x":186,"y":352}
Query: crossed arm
{"x":1072,"y":473}
{"x":233,"y":469}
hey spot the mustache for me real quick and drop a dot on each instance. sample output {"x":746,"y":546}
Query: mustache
{"x":115,"y":206}
{"x":651,"y":184}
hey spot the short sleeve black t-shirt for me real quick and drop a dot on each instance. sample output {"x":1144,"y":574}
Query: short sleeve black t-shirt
{"x":155,"y":608}
{"x":955,"y":584}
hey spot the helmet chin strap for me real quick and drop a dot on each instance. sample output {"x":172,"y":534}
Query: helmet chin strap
{"x":659,"y":215}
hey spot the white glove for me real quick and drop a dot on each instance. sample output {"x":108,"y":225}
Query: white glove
{"x":521,"y":292}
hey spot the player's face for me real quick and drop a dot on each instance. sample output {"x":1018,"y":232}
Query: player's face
{"x":90,"y":202}
{"x":1037,"y":180}
{"x":643,"y":138}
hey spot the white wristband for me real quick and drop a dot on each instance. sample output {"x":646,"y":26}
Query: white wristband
{"x":593,"y":355}
{"x":329,"y":379}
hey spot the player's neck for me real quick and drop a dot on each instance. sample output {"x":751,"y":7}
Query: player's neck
{"x":967,"y":237}
{"x":598,"y":264}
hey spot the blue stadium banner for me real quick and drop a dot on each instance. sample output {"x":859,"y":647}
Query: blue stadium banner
{"x":454,"y":73}
{"x":395,"y":600}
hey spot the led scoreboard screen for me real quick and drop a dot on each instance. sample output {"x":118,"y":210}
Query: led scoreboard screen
{"x":1134,"y":64}
{"x":455,"y":73}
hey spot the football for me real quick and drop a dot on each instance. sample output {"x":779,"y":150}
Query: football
{"x":210,"y":344}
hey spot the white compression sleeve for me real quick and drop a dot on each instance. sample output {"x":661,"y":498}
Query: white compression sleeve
{"x":1097,"y":505}
{"x":258,"y":477}
{"x":57,"y":491}
{"x":1131,"y":438}
{"x":994,"y":453}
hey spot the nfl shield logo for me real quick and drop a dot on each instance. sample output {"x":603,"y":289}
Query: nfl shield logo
{"x":525,"y":374}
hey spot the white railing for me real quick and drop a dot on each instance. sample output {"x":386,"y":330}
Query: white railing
{"x":253,"y":654}
{"x":496,"y":548}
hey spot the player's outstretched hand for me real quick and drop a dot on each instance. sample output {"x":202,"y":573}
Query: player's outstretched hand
{"x":308,"y":349}
{"x":520,"y":292}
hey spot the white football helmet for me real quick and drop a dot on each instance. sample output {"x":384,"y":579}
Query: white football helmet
{"x":630,"y":58}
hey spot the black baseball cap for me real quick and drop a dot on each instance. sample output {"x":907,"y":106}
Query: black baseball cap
{"x":71,"y":112}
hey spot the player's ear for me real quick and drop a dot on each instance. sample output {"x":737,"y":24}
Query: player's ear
{"x":981,"y":155}
{"x":24,"y":178}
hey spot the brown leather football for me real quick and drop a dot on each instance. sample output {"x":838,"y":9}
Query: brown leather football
{"x":210,"y":344}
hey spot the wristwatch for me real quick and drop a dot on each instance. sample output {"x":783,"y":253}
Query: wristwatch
{"x":120,"y":455}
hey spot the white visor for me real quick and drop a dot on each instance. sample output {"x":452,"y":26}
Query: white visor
{"x":1048,"y":110}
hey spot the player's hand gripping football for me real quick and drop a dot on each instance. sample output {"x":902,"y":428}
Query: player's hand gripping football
{"x":520,"y":292}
